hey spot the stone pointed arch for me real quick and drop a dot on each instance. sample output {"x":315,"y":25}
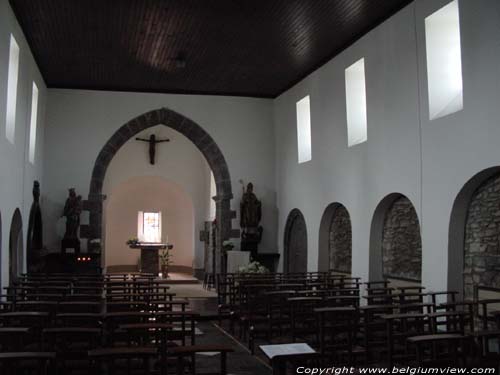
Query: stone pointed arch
{"x":196,"y":134}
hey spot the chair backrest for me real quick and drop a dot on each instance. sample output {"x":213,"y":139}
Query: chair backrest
{"x":91,"y":320}
{"x":79,"y":307}
{"x":70,"y":342}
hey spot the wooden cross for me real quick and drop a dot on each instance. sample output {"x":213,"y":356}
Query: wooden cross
{"x":152,"y":146}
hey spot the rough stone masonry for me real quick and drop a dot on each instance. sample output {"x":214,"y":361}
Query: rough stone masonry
{"x":401,"y":241}
{"x":482,"y":238}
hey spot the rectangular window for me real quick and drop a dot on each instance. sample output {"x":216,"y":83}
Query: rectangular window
{"x":10,"y":128}
{"x":355,"y":91}
{"x":149,"y":227}
{"x":33,"y":121}
{"x":304,"y":129}
{"x":444,"y":61}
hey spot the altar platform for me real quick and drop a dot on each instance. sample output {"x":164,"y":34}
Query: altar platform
{"x":174,"y":277}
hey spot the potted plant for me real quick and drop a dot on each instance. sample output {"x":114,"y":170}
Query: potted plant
{"x":227,"y":246}
{"x":132,"y":242}
{"x":165,"y":262}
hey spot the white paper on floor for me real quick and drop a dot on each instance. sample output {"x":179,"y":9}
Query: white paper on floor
{"x":209,"y":354}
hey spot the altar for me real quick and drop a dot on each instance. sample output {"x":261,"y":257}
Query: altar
{"x":149,"y":262}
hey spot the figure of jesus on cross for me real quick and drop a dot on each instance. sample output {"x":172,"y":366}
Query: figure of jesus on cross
{"x":152,"y":146}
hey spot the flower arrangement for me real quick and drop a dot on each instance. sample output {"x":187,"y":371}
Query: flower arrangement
{"x":165,"y":257}
{"x":134,"y":241}
{"x":253,"y":267}
{"x":228,"y":245}
{"x":165,"y":261}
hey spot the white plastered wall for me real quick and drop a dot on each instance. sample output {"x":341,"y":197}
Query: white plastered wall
{"x":428,"y":161}
{"x":150,"y":193}
{"x":16,"y":172}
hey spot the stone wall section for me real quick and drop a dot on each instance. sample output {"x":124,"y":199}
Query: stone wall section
{"x":340,"y":241}
{"x":401,"y":242}
{"x":482,"y":238}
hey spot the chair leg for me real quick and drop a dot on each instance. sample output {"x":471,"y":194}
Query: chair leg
{"x":180,"y":367}
{"x":223,"y":369}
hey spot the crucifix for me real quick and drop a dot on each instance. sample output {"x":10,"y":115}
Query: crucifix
{"x":152,"y":146}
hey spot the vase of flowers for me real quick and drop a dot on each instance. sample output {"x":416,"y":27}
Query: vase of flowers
{"x":132,"y":242}
{"x":165,"y":262}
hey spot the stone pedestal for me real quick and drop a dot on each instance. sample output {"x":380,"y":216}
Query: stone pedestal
{"x":237,"y":259}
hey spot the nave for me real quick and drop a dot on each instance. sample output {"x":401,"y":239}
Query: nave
{"x":135,"y":324}
{"x":114,"y":324}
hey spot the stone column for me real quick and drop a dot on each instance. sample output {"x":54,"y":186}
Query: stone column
{"x":223,"y":217}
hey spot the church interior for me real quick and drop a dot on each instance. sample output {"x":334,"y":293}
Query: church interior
{"x":249,"y":187}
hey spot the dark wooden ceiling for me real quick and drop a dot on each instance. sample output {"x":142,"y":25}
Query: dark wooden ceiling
{"x":228,"y":47}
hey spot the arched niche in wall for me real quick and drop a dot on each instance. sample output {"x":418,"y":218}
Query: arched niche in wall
{"x":34,"y":242}
{"x":395,"y":240}
{"x":15,"y":246}
{"x":474,"y":235}
{"x":295,"y":243}
{"x":335,"y":239}
{"x":196,"y":134}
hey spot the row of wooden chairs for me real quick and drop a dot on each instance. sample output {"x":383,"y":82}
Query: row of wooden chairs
{"x":133,"y":325}
{"x":405,"y":325}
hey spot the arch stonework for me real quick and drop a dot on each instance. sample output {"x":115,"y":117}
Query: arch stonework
{"x":196,"y":134}
{"x":457,"y":233}
{"x":386,"y":234}
{"x":334,"y":214}
{"x":15,"y":246}
{"x":401,"y":242}
{"x":295,"y":243}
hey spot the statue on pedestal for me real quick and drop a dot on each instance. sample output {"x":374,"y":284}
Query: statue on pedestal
{"x":250,"y":216}
{"x":72,"y":210}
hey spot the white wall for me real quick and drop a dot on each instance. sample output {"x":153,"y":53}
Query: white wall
{"x":150,"y":193}
{"x":427,"y":161}
{"x":16,"y":173}
{"x":80,"y":122}
{"x":178,"y":161}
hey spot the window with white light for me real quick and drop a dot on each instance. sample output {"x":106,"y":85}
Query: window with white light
{"x":33,"y":121}
{"x":444,"y":61}
{"x":149,"y":227}
{"x":304,"y":129}
{"x":213,"y":193}
{"x":13,"y":73}
{"x":355,"y":91}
